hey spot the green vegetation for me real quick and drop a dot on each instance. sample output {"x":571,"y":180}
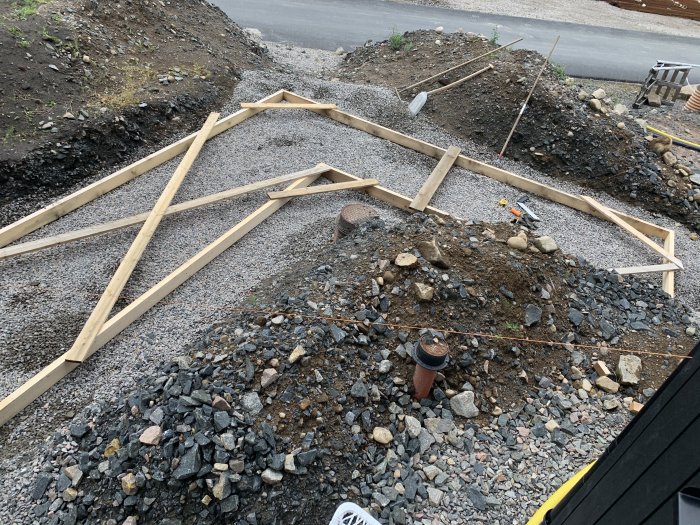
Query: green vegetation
{"x":50,"y":38}
{"x":15,"y":31}
{"x":559,"y":71}
{"x":513,"y":327}
{"x":26,"y":8}
{"x":8,"y":135}
{"x":495,"y":35}
{"x":397,"y":41}
{"x":24,"y":43}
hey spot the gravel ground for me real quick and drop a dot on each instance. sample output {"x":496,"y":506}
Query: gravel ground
{"x":45,"y":297}
{"x":588,"y":12}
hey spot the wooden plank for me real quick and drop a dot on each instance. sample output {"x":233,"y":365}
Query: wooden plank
{"x":18,"y":229}
{"x":476,"y":166}
{"x":631,"y":270}
{"x":384,"y":194}
{"x":81,"y":347}
{"x":59,"y":368}
{"x":636,"y":233}
{"x":285,"y":105}
{"x":668,"y":280}
{"x":99,"y":229}
{"x":434,"y":180}
{"x":325,"y":188}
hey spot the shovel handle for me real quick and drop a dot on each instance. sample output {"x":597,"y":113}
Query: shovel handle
{"x":460,"y":81}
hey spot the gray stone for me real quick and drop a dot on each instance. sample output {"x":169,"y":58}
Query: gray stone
{"x":251,"y":403}
{"x":576,"y":317}
{"x":629,"y":369}
{"x":438,"y":425}
{"x":545,"y":244}
{"x":413,"y":426}
{"x":533,"y":314}
{"x":271,"y":477}
{"x":221,"y":420}
{"x":431,"y":253}
{"x":42,"y":482}
{"x":463,"y":405}
{"x":190,"y":464}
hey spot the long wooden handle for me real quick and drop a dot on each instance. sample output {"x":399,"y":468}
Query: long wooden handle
{"x":460,"y":81}
{"x":532,"y":89}
{"x":459,"y":65}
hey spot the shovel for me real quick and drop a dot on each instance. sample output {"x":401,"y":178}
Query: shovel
{"x":421,"y":98}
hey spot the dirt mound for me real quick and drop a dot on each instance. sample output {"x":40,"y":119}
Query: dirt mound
{"x":87,"y":84}
{"x":304,"y":399}
{"x":559,"y":134}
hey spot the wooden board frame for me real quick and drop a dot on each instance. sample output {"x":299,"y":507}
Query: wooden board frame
{"x":59,"y":368}
{"x":325,"y":188}
{"x":106,"y":227}
{"x":432,"y":183}
{"x":501,"y":175}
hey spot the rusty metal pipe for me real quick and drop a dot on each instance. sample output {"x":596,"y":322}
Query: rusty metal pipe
{"x":431,"y":355}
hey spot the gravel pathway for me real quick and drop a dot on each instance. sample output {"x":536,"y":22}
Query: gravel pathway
{"x":588,"y":12}
{"x":45,"y":297}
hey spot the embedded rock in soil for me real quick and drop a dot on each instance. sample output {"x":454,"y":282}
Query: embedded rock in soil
{"x":533,"y":314}
{"x":431,"y":253}
{"x":463,"y":405}
{"x":629,"y":370}
{"x":406,"y":260}
{"x":607,"y":384}
{"x":545,"y":244}
{"x":382,"y":435}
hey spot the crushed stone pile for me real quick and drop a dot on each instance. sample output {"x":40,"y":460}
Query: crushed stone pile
{"x":303,"y":398}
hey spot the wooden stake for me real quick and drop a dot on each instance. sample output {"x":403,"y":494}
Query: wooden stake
{"x":458,"y":66}
{"x":527,"y":99}
{"x":460,"y":81}
{"x":59,"y":368}
{"x":432,"y":183}
{"x":22,"y":227}
{"x":668,"y":280}
{"x":622,"y":224}
{"x":81,"y":347}
{"x":99,"y":229}
{"x":281,"y":105}
{"x":325,"y":188}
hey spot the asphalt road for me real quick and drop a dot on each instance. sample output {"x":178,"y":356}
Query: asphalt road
{"x":585,"y":51}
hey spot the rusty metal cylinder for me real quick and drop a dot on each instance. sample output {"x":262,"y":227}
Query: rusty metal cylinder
{"x":431,"y":355}
{"x":693,"y":103}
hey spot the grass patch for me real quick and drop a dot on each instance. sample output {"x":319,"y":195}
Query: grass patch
{"x":559,"y":70}
{"x":495,"y":35}
{"x":397,"y":41}
{"x":26,"y":8}
{"x":513,"y":327}
{"x":7,"y":137}
{"x":126,"y":93}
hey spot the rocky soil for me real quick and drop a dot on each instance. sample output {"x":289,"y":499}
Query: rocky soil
{"x":565,"y":132}
{"x":303,"y":397}
{"x":87,"y":84}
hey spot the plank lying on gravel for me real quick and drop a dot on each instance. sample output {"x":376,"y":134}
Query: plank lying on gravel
{"x":81,"y":346}
{"x":58,"y":209}
{"x":326,"y":188}
{"x":59,"y":368}
{"x":99,"y":229}
{"x":476,"y":166}
{"x":285,"y":105}
{"x":631,"y":270}
{"x":434,"y":180}
{"x":608,"y":213}
{"x":384,"y":194}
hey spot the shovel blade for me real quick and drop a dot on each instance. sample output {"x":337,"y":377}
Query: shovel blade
{"x":417,"y":103}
